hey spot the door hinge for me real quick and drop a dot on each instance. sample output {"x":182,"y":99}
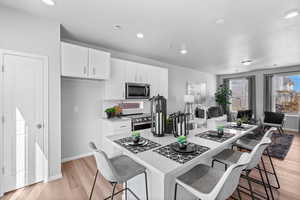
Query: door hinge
{"x":2,"y":68}
{"x":3,"y":170}
{"x":2,"y":119}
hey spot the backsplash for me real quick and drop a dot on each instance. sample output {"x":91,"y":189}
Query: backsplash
{"x":128,"y":106}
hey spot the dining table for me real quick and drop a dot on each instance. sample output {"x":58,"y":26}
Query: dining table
{"x":163,"y":164}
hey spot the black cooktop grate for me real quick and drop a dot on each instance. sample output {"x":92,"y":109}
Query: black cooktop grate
{"x":208,"y":135}
{"x":238,"y":128}
{"x":181,"y":158}
{"x":124,"y":142}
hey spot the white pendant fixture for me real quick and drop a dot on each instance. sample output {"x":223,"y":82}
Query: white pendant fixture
{"x":140,"y":35}
{"x":183,"y":49}
{"x":49,"y":2}
{"x":291,"y":14}
{"x":246,"y":62}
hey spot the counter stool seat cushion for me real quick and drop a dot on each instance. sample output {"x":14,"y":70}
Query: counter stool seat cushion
{"x":126,"y":168}
{"x":246,"y":143}
{"x":201,"y":178}
{"x":228,"y":156}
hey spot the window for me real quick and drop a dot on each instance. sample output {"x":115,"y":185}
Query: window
{"x":286,"y":94}
{"x":239,"y":99}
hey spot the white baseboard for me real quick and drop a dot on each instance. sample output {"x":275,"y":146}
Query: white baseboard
{"x":54,"y":177}
{"x":76,"y":157}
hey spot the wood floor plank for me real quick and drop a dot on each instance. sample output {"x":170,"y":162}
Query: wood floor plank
{"x":78,"y":176}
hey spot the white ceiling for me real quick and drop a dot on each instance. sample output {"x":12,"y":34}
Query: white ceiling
{"x":253,"y":29}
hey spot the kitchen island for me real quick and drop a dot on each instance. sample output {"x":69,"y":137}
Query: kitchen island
{"x":162,"y":170}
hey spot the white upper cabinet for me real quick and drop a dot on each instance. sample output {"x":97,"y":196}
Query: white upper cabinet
{"x":83,"y":62}
{"x":123,"y":71}
{"x":74,"y":60}
{"x":115,"y":86}
{"x":99,"y":64}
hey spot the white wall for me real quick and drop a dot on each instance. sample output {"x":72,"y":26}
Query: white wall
{"x":293,"y":122}
{"x":81,"y":110}
{"x":178,"y":78}
{"x":25,"y":33}
{"x":78,"y":128}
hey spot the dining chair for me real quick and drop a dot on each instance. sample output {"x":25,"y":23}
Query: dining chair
{"x":229,"y":157}
{"x":207,"y":183}
{"x":244,"y":114}
{"x":117,"y":170}
{"x":274,"y":119}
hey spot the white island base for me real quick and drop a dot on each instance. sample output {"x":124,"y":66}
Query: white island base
{"x":163,"y":171}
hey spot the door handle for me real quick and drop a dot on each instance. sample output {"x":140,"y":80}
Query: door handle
{"x":84,"y":70}
{"x":39,"y":126}
{"x":94,"y":70}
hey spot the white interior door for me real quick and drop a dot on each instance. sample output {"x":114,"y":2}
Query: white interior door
{"x":23,"y":128}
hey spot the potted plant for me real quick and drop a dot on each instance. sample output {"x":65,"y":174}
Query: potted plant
{"x":136,"y":136}
{"x":110,"y":112}
{"x":182,"y":142}
{"x":220,"y":131}
{"x":241,"y":121}
{"x":222,"y":97}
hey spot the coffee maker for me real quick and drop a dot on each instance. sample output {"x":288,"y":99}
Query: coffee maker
{"x":158,"y":115}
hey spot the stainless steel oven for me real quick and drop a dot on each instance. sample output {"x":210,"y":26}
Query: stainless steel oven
{"x":141,"y":122}
{"x":137,"y":91}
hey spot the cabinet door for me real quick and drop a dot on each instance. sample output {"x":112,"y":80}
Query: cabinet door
{"x":159,"y":81}
{"x":143,"y":73}
{"x":131,"y":72}
{"x":163,"y":82}
{"x":99,"y":64}
{"x":154,"y":81}
{"x":74,"y":60}
{"x":115,"y":87}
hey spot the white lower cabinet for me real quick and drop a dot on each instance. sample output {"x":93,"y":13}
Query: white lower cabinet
{"x":113,"y":127}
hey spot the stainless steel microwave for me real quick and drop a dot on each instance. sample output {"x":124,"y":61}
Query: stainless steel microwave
{"x":137,"y":91}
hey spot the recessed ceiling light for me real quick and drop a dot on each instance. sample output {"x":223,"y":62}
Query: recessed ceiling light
{"x":183,"y":51}
{"x":49,"y":2}
{"x":247,"y":62}
{"x":291,"y":14}
{"x":220,"y":21}
{"x":140,"y":35}
{"x":117,"y":27}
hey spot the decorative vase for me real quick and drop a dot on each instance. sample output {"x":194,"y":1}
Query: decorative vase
{"x":109,"y":115}
{"x":239,"y":123}
{"x":182,"y":145}
{"x":135,"y":139}
{"x":220,"y":132}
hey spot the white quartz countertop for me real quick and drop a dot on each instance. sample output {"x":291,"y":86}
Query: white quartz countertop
{"x":165,"y":165}
{"x":116,"y":119}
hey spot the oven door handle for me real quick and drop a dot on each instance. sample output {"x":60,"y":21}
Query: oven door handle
{"x":147,"y":91}
{"x":141,"y":123}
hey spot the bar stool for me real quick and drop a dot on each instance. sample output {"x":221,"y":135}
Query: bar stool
{"x":229,"y":157}
{"x":207,"y":183}
{"x":117,"y":170}
{"x":248,"y":143}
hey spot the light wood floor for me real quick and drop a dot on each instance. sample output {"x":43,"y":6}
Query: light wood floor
{"x":78,"y":178}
